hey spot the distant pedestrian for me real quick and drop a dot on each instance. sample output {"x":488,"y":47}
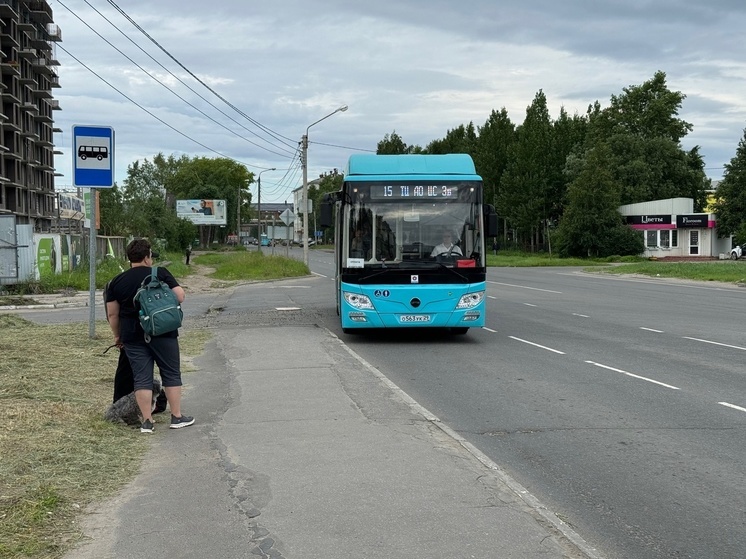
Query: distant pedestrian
{"x":495,"y":247}
{"x":188,"y":254}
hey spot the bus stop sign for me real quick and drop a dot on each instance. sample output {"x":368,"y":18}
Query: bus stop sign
{"x":93,"y":156}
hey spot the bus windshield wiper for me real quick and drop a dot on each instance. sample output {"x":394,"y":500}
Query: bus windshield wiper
{"x":380,"y":272}
{"x":453,"y":271}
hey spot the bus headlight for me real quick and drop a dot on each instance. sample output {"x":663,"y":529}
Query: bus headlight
{"x":470,"y":300}
{"x":358,"y":301}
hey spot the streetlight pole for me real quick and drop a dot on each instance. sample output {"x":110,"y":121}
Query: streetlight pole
{"x":259,"y":207}
{"x":304,"y":162}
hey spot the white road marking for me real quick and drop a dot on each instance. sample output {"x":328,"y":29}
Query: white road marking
{"x":529,"y":305}
{"x":633,"y":375}
{"x":651,"y":330}
{"x":320,"y":275}
{"x":491,"y":297}
{"x":287,"y":308}
{"x":489,"y":329}
{"x":524,"y":287}
{"x":537,"y":345}
{"x":727,"y":405}
{"x":715,"y":343}
{"x":581,"y":315}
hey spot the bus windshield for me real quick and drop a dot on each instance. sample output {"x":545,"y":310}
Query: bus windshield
{"x":418,"y":223}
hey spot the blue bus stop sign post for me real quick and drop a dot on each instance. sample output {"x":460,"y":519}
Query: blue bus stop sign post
{"x":93,"y":167}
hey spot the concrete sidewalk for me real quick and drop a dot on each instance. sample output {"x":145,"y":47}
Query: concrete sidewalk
{"x":302,"y":450}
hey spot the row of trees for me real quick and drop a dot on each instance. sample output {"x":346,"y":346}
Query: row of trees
{"x":144,"y":205}
{"x":554,"y":182}
{"x":566,"y":178}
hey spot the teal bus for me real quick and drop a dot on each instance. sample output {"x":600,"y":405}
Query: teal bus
{"x":410,"y":234}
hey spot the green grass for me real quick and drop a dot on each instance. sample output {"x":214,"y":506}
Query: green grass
{"x":57,"y":452}
{"x":725,"y":271}
{"x":251,"y":265}
{"x":509,"y":259}
{"x":234,"y":264}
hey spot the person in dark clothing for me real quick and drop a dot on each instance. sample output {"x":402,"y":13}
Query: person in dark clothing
{"x":188,"y":254}
{"x":163,"y":350}
{"x":124,"y":383}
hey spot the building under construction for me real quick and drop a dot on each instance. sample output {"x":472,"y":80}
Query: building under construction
{"x":28,"y":64}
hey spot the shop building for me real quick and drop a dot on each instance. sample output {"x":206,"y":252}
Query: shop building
{"x":671,"y":228}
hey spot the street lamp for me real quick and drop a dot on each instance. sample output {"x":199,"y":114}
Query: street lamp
{"x":304,"y":162}
{"x":259,"y":207}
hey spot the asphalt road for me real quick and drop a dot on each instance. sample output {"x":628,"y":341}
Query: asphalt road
{"x":618,"y":402}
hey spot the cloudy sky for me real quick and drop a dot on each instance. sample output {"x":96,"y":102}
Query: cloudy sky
{"x":269,"y":70}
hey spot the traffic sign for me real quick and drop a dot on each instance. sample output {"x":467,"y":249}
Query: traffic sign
{"x":287,"y":217}
{"x":93,"y":156}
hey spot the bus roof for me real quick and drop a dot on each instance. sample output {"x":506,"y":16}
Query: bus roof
{"x":374,"y":167}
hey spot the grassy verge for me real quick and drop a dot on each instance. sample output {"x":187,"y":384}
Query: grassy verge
{"x":251,"y":265}
{"x":510,"y":259}
{"x":58,"y":453}
{"x":725,"y":271}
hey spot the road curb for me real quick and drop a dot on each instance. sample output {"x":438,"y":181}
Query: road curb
{"x":519,"y":490}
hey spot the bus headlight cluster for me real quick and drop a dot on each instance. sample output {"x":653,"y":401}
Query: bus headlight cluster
{"x":470,"y":300}
{"x":358,"y":301}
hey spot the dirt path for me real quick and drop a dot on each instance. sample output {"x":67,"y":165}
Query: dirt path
{"x":200,"y":282}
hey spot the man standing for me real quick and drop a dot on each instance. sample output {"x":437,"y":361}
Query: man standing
{"x":142,"y":355}
{"x":188,"y":253}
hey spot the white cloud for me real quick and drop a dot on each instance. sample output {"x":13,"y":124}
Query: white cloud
{"x":415,"y":66}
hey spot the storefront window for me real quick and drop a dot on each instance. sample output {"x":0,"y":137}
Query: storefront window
{"x":665,"y":239}
{"x":652,"y":239}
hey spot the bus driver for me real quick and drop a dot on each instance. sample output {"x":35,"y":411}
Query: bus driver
{"x":446,"y":247}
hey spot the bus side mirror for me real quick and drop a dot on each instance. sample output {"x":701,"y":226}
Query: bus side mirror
{"x":326,"y":217}
{"x":490,"y":221}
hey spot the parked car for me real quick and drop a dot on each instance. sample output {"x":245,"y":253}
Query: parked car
{"x":250,"y":241}
{"x":736,"y":253}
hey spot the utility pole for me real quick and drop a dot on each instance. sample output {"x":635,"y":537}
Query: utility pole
{"x":259,"y":206}
{"x":304,"y":201}
{"x":304,"y":162}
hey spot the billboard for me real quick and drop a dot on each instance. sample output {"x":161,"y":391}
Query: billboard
{"x":202,"y":212}
{"x":71,"y":207}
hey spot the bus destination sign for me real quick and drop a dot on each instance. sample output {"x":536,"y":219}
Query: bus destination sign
{"x":401,"y":191}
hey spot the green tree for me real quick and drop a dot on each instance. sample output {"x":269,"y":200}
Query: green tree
{"x":525,"y":186}
{"x":145,"y":210}
{"x":730,"y":207}
{"x":111,"y":207}
{"x":214,"y":178}
{"x":330,"y":182}
{"x":492,"y":152}
{"x":649,"y":111}
{"x":462,"y":139}
{"x":392,"y":145}
{"x":644,"y":132}
{"x":568,"y":137}
{"x":592,"y":225}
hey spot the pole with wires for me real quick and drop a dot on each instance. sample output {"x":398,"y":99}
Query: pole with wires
{"x":304,"y":162}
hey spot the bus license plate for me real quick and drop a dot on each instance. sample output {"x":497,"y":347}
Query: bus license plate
{"x":414,"y":318}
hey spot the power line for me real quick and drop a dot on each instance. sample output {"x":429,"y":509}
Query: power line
{"x":289,"y":154}
{"x":152,"y":114}
{"x":342,"y":147}
{"x":272,"y":133}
